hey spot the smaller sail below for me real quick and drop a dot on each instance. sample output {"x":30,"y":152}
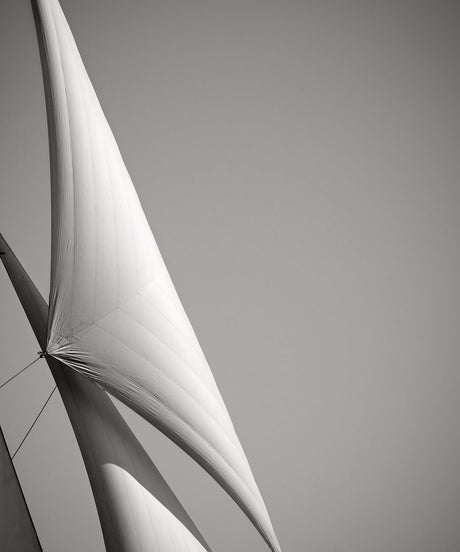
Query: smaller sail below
{"x":17,"y":531}
{"x":137,"y":509}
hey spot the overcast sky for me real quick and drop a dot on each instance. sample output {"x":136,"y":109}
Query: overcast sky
{"x":299,"y":165}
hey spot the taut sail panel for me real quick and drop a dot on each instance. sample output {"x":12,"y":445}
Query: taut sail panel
{"x":114,"y":313}
{"x":17,"y":531}
{"x":137,"y":509}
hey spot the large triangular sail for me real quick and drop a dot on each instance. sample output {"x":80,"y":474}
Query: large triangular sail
{"x":17,"y":531}
{"x":137,"y":509}
{"x":114,"y":313}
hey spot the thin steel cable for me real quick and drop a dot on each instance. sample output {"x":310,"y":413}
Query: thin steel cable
{"x":20,"y":372}
{"x":34,"y":422}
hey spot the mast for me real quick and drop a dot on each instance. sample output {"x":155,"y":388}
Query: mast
{"x":17,"y":531}
{"x":137,"y":510}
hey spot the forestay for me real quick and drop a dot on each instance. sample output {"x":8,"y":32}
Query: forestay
{"x":114,"y":313}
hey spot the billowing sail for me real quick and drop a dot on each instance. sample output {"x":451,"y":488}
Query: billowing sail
{"x":137,"y":509}
{"x":17,"y":532}
{"x":114,"y":313}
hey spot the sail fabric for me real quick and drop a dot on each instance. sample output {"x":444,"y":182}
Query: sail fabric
{"x":114,"y":313}
{"x":17,"y":531}
{"x":137,"y":509}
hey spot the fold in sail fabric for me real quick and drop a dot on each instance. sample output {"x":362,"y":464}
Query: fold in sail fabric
{"x":137,"y":509}
{"x":17,"y":531}
{"x":114,"y":313}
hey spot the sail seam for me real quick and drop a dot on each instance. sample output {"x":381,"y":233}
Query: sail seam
{"x":75,"y":366}
{"x":169,"y":378}
{"x":168,"y":347}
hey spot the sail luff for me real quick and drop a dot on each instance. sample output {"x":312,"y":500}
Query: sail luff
{"x":17,"y":530}
{"x":59,"y":146}
{"x":136,"y":508}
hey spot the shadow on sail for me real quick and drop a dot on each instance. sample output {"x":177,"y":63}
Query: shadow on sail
{"x":137,"y":509}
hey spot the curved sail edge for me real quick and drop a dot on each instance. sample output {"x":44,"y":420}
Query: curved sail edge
{"x":137,"y":509}
{"x":114,"y":313}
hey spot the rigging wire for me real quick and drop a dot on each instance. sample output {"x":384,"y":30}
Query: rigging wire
{"x":34,"y":422}
{"x":20,"y":372}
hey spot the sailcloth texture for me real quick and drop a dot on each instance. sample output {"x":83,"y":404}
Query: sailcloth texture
{"x":17,"y":531}
{"x":114,"y":313}
{"x":137,"y":509}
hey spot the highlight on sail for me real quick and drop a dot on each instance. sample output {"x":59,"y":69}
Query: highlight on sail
{"x":114,"y":324}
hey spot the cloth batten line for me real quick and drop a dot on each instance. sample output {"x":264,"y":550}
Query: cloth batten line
{"x":34,"y":422}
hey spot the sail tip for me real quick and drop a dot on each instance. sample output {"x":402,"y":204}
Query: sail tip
{"x":273,"y":544}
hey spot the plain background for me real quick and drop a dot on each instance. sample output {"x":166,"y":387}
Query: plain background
{"x":299,"y":164}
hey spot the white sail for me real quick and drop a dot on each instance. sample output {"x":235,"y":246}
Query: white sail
{"x":114,"y":313}
{"x":17,"y":531}
{"x":137,"y":509}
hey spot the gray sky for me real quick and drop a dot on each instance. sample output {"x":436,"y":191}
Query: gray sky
{"x":299,"y":165}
